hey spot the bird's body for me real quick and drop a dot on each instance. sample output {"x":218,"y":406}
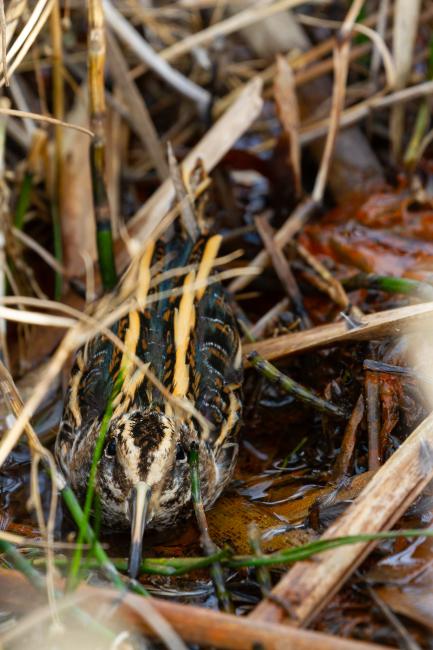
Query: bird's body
{"x":187,"y":338}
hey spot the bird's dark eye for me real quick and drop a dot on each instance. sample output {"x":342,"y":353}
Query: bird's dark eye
{"x":110,"y":449}
{"x":180,"y":453}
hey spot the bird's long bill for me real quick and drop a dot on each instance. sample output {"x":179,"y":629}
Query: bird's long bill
{"x":140,"y":498}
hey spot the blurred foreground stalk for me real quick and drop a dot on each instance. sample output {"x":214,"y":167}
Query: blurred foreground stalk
{"x":96,"y":66}
{"x":59,"y":110}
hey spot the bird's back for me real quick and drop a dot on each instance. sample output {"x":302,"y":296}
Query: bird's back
{"x":185,"y":334}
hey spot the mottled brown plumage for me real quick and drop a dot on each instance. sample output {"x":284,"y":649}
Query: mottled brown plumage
{"x":191,"y":344}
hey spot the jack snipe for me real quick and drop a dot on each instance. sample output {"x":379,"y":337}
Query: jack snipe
{"x":189,"y":340}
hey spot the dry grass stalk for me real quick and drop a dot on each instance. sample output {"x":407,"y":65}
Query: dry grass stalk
{"x":347,"y":175}
{"x":196,"y":625}
{"x":3,"y":40}
{"x":150,"y":619}
{"x":309,"y":586}
{"x":13,"y":14}
{"x":37,"y":248}
{"x":211,"y":148}
{"x":379,"y":43}
{"x":145,"y":53}
{"x":35,"y":318}
{"x":341,"y":67}
{"x":267,"y":319}
{"x":45,"y":118}
{"x":362,"y":109}
{"x":57,"y":63}
{"x":59,"y":110}
{"x":238,"y":21}
{"x":406,"y":16}
{"x":303,"y":76}
{"x":78,"y":226}
{"x":380,"y":28}
{"x":184,"y":199}
{"x":4,"y":228}
{"x":288,"y":112}
{"x":18,"y":50}
{"x":310,"y":65}
{"x":138,"y":114}
{"x":307,"y":66}
{"x":303,"y":212}
{"x":371,"y":389}
{"x":345,"y":455}
{"x":38,"y":453}
{"x":289,"y":229}
{"x":327,"y":282}
{"x":373,"y":326}
{"x":282,"y":268}
{"x":96,"y":65}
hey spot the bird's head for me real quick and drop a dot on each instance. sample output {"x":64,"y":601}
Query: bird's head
{"x":142,"y":478}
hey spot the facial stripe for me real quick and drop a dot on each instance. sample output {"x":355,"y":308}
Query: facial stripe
{"x":157,"y":467}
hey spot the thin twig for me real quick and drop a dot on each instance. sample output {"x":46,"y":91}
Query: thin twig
{"x":282,"y":269}
{"x":235,"y":23}
{"x":373,"y":419}
{"x":45,"y":118}
{"x":345,"y":455}
{"x":59,"y":110}
{"x":289,"y":229}
{"x":362,"y":109}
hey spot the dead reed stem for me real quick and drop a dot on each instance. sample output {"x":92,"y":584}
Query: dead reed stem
{"x":309,"y":586}
{"x":345,"y":456}
{"x":59,"y":109}
{"x":372,"y":403}
{"x":196,"y":625}
{"x":145,"y":53}
{"x":138,"y":113}
{"x":373,"y":326}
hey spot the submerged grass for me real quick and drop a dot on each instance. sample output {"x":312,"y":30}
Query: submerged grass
{"x":179,"y":566}
{"x":390,"y":284}
{"x":208,"y":546}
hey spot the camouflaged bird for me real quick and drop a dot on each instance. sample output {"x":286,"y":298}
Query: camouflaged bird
{"x":188,"y":338}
